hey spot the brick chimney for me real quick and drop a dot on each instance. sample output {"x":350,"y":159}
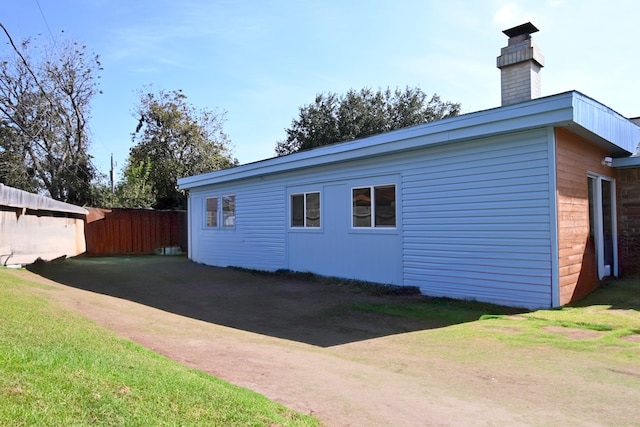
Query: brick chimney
{"x":520,"y":63}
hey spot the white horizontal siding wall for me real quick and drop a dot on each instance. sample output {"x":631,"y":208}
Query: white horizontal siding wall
{"x":477,"y":223}
{"x":336,"y":248}
{"x":473,"y":221}
{"x":263,"y":240}
{"x":258,"y":239}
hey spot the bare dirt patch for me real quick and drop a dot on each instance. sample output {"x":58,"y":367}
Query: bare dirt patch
{"x":297,"y":343}
{"x":574,"y":333}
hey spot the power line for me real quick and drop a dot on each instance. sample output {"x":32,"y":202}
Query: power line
{"x":45,"y":22}
{"x":44,"y":93}
{"x":53,"y":39}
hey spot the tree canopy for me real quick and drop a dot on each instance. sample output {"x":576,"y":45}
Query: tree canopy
{"x":333,"y":118}
{"x":173,"y":139}
{"x":45,"y":94}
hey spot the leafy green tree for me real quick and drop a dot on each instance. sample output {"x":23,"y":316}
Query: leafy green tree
{"x":132,"y":191}
{"x":173,"y":139}
{"x":357,"y":114}
{"x":135,"y":189}
{"x":101,"y":194}
{"x":45,"y":95}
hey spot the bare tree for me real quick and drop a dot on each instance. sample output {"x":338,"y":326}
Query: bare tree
{"x":45,"y":94}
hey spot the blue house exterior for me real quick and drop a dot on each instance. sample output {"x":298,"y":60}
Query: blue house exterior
{"x":465,"y":207}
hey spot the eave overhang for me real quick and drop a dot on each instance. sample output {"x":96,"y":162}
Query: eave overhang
{"x":572,"y":110}
{"x":626,"y":162}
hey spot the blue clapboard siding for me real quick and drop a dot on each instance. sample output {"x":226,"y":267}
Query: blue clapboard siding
{"x":473,"y":221}
{"x":475,"y":201}
{"x":336,"y":249}
{"x":258,"y":239}
{"x":477,"y":225}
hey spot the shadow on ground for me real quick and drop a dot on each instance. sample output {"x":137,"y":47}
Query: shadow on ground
{"x":618,"y":294}
{"x":305,"y":311}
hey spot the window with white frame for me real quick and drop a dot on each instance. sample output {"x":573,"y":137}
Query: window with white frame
{"x":212,"y":211}
{"x":221,"y":211}
{"x":229,"y":211}
{"x":305,"y":210}
{"x":374,"y":206}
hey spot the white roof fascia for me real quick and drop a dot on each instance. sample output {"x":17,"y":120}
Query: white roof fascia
{"x":556,"y":110}
{"x":626,"y":162}
{"x":604,"y":126}
{"x":15,"y":198}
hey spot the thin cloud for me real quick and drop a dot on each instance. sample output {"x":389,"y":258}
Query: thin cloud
{"x":511,"y":14}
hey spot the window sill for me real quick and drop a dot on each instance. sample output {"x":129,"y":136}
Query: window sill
{"x":374,"y":230}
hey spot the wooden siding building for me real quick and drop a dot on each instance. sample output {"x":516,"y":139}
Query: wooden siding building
{"x":518,"y":205}
{"x":494,"y":206}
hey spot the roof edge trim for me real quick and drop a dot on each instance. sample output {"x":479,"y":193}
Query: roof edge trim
{"x":16,"y":198}
{"x":555,"y":110}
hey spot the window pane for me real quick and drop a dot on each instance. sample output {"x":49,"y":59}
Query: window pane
{"x":297,"y":210}
{"x":212,"y":212}
{"x":362,"y":207}
{"x":385,"y":203}
{"x":229,"y":211}
{"x":313,"y":210}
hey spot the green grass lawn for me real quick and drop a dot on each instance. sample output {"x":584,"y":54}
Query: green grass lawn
{"x":607,"y":318}
{"x":59,"y":369}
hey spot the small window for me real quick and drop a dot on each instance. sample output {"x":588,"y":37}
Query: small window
{"x":374,"y":206}
{"x":229,"y":211}
{"x":312,"y":209}
{"x":362,"y":207}
{"x":305,"y":210}
{"x":385,"y":205}
{"x":212,"y":212}
{"x":221,"y":211}
{"x":297,"y":210}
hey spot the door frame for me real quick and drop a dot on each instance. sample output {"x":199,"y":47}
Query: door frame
{"x":599,"y":222}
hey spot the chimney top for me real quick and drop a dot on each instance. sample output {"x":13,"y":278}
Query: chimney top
{"x":520,"y":63}
{"x":520,"y":30}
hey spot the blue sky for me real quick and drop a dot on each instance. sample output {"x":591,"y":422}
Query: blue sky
{"x":261,"y":60}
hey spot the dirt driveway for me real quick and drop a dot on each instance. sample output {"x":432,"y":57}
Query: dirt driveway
{"x":297,"y":343}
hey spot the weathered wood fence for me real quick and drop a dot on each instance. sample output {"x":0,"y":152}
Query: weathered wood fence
{"x":134,"y":231}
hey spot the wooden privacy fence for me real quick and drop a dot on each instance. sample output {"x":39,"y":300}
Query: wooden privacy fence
{"x":134,"y":231}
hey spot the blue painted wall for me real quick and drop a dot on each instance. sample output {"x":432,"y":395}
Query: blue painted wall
{"x":473,"y":221}
{"x":478,"y":224}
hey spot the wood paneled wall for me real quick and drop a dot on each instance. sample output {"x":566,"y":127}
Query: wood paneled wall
{"x":575,"y":157}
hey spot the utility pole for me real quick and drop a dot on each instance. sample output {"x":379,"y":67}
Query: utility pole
{"x":112,"y":177}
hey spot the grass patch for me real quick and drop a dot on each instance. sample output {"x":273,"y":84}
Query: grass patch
{"x":437,"y":311}
{"x":58,"y":368}
{"x":560,"y":320}
{"x":605,"y":317}
{"x":621,"y":294}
